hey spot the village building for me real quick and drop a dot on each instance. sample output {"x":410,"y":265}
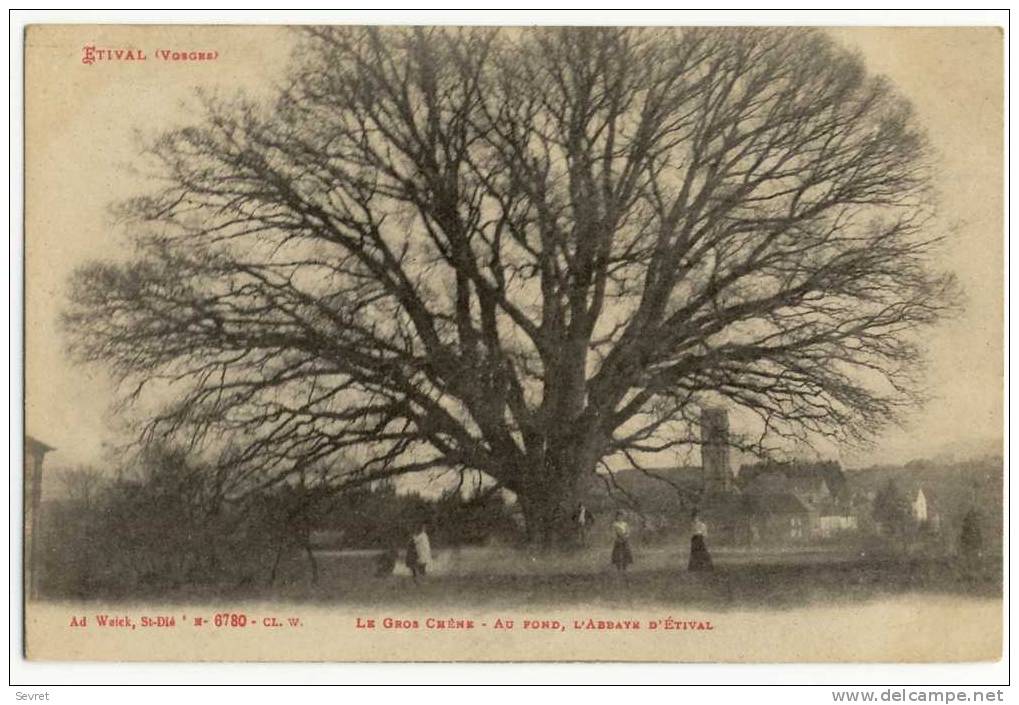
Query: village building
{"x":783,"y":502}
{"x":35,"y":453}
{"x":923,"y":507}
{"x":919,"y":507}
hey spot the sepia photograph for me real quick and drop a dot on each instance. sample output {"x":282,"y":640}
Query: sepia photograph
{"x":356,"y":343}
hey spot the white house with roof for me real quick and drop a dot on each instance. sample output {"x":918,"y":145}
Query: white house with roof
{"x":919,"y":505}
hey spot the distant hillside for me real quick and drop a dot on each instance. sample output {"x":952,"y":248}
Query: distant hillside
{"x":970,"y":449}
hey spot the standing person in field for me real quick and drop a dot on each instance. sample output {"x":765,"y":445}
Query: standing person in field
{"x":700,"y":559}
{"x":419,"y":552}
{"x":621,"y":555}
{"x":583,"y":518}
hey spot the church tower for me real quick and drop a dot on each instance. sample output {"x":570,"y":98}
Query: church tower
{"x":715,"y":467}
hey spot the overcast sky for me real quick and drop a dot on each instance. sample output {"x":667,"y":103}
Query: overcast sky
{"x":80,"y":130}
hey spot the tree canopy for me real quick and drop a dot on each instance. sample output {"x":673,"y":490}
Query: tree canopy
{"x":525,"y":252}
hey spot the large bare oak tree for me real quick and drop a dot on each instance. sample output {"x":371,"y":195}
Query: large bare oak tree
{"x":525,"y":252}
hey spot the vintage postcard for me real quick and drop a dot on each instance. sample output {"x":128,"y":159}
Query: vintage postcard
{"x":441,"y":343}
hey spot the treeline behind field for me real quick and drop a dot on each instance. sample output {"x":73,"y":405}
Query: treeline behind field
{"x":172,"y":523}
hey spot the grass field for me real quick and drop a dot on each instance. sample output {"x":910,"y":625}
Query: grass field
{"x":504,"y":577}
{"x":778,"y":605}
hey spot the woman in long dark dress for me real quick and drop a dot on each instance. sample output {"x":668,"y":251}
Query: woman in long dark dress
{"x":700,"y":559}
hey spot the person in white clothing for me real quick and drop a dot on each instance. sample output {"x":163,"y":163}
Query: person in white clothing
{"x":419,"y":552}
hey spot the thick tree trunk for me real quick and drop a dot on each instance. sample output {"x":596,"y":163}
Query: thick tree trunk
{"x":549,"y":499}
{"x":541,"y":518}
